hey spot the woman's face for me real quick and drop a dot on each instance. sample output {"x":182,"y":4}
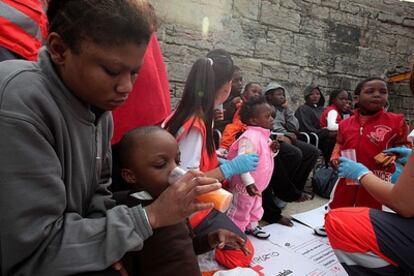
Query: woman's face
{"x":99,"y":75}
{"x":223,"y":93}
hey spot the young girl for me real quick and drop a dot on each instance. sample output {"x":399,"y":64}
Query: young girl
{"x":333,"y":114}
{"x":246,"y":209}
{"x":208,"y":85}
{"x":370,"y":131}
{"x":148,"y":155}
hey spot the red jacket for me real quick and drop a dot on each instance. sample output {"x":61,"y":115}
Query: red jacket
{"x":23,"y":27}
{"x":323,"y":121}
{"x":381,"y":131}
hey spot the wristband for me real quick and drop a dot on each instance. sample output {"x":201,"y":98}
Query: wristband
{"x":362,"y":175}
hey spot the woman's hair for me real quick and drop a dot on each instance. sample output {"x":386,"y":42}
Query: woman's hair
{"x":334,"y":94}
{"x":107,"y":22}
{"x":248,"y":109}
{"x":206,"y":77}
{"x":361,"y":84}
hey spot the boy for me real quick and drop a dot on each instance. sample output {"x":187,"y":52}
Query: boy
{"x":57,"y":216}
{"x":147,"y":157}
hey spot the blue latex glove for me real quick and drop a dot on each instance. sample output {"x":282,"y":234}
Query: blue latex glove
{"x":402,"y":152}
{"x":396,"y":174}
{"x":241,"y":164}
{"x":222,"y":160}
{"x":351,"y":169}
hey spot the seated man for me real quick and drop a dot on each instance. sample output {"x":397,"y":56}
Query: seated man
{"x":296,"y":159}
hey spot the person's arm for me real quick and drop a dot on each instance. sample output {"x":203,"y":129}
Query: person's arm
{"x":292,"y":123}
{"x":332,"y":125}
{"x":246,"y":146}
{"x":398,"y":197}
{"x":41,"y":235}
{"x":191,"y":146}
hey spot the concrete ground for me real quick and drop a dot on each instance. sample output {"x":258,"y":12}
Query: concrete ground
{"x":299,"y":207}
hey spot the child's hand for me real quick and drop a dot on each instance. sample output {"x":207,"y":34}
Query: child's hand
{"x":118,"y":266}
{"x":285,"y":104}
{"x":274,"y":146}
{"x":218,"y":115}
{"x":222,"y":237}
{"x":284,"y":139}
{"x":236,"y":100}
{"x":252,"y":190}
{"x":335,"y":164}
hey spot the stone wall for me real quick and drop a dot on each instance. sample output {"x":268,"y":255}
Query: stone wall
{"x":334,"y":43}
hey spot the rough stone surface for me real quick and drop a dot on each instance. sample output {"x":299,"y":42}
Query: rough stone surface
{"x":335,"y":43}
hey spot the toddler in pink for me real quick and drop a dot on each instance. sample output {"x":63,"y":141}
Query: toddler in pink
{"x":246,"y":209}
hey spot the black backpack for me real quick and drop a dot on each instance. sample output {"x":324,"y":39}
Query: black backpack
{"x":323,"y":181}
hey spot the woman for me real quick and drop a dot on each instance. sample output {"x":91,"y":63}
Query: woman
{"x":373,"y":242}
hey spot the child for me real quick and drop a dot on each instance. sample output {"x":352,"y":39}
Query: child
{"x":330,"y":118}
{"x":246,"y":209}
{"x":236,"y":128}
{"x":370,"y":131}
{"x":147,"y":157}
{"x":333,"y":114}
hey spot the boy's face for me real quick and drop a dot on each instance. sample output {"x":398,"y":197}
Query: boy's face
{"x":155,"y":156}
{"x":276,"y":97}
{"x":253,"y":91}
{"x":314,"y":96}
{"x":264,"y":116}
{"x":99,"y":75}
{"x":237,"y":83}
{"x":373,"y":96}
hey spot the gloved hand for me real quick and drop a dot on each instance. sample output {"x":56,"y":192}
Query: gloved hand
{"x":351,"y":169}
{"x":241,"y":164}
{"x":402,"y":152}
{"x":396,"y":174}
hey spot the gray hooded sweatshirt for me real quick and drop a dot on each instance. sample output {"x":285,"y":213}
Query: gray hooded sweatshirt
{"x":56,"y":214}
{"x":285,"y":120}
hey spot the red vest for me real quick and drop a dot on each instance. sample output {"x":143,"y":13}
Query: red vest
{"x":207,"y":163}
{"x":23,"y":27}
{"x":323,"y":121}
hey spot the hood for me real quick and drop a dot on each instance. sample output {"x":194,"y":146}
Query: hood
{"x":272,"y":86}
{"x":308,"y":89}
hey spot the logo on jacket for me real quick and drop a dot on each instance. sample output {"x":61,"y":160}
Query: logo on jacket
{"x":379,"y":133}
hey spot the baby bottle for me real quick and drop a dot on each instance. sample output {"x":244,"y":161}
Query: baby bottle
{"x":220,"y":198}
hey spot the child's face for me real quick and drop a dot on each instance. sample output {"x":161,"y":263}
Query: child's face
{"x":264,"y":116}
{"x":253,"y":91}
{"x":342,"y":101}
{"x":156,"y":155}
{"x":373,"y":96}
{"x":314,"y":97}
{"x":277,"y":97}
{"x":237,"y":83}
{"x":99,"y":75}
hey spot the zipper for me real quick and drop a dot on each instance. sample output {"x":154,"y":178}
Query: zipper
{"x":92,"y":179}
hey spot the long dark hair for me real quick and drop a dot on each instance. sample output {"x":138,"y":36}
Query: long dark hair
{"x":206,"y":77}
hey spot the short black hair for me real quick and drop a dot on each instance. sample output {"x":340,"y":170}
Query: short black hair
{"x":130,"y":140}
{"x":248,"y":109}
{"x":361,"y":84}
{"x":334,"y":94}
{"x":107,"y":22}
{"x":250,"y":84}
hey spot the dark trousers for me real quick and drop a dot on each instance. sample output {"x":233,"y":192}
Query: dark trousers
{"x":327,"y":145}
{"x":292,"y":167}
{"x":106,"y":272}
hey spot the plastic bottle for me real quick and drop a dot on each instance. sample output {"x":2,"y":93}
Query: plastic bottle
{"x":220,"y":198}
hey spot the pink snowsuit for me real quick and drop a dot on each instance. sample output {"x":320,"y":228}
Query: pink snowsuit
{"x":247,"y":210}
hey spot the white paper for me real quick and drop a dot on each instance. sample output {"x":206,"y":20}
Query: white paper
{"x":313,"y":218}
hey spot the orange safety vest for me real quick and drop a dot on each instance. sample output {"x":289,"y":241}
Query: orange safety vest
{"x":23,"y":27}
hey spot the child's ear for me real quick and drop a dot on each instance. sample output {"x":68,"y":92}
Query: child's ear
{"x":128,"y":176}
{"x":253,"y":122}
{"x":58,"y":49}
